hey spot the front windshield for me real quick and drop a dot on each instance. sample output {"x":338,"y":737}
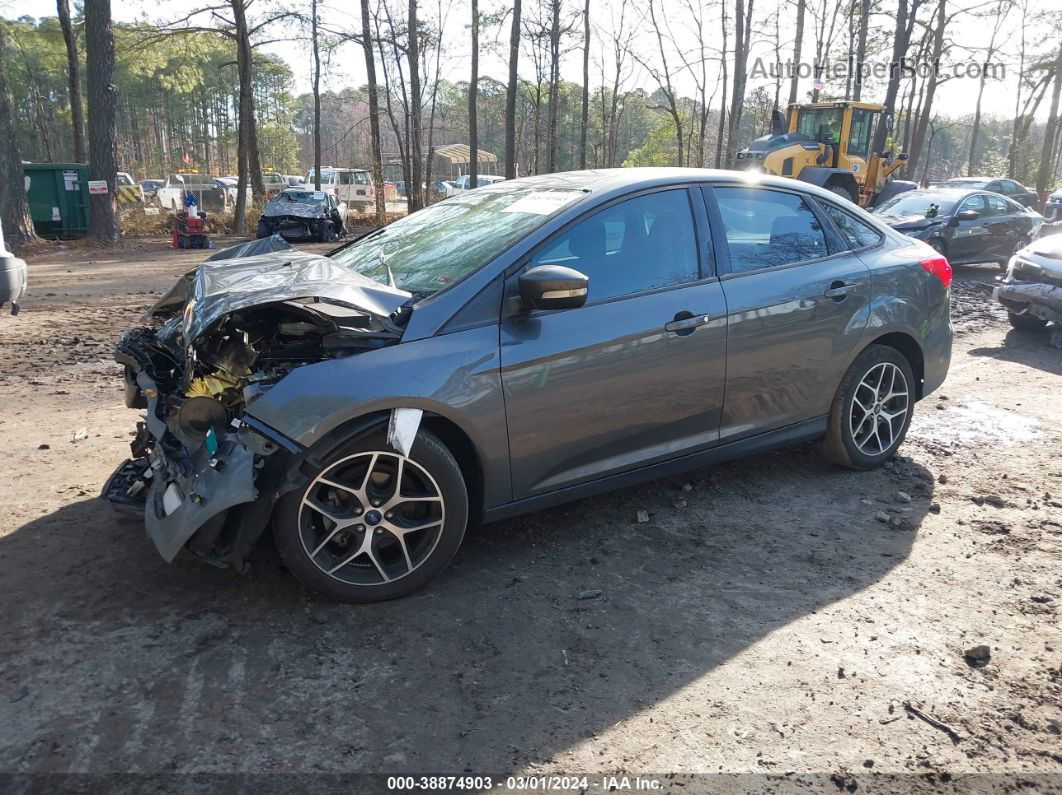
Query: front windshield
{"x":303,"y":196}
{"x":917,"y":204}
{"x":435,"y":247}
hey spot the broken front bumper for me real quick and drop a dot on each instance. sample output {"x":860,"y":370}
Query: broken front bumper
{"x":1039,"y":300}
{"x":213,"y":495}
{"x":216,"y":502}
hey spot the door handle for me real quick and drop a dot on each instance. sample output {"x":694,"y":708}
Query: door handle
{"x":680,"y":324}
{"x":838,"y":291}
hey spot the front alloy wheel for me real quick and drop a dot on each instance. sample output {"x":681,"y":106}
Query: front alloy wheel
{"x":374,"y":524}
{"x":871,"y":410}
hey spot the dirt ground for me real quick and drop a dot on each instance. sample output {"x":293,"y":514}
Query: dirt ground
{"x":775,"y":615}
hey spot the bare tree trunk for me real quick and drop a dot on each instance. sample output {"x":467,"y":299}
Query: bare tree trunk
{"x":554,"y":83}
{"x":976,"y":131}
{"x":73,"y":79}
{"x":742,"y":38}
{"x":102,"y":99}
{"x":798,"y":41}
{"x":316,"y":97}
{"x":14,"y":209}
{"x":510,"y":94}
{"x":721,"y":133}
{"x":861,"y":48}
{"x":248,"y":125}
{"x":473,"y":95}
{"x":905,"y":16}
{"x":585,"y":120}
{"x":1047,"y":158}
{"x":926,"y":112}
{"x":415,"y":192}
{"x":374,"y":116}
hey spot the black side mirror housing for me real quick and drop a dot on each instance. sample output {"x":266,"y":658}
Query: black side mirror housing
{"x":903,"y":156}
{"x":967,"y":215}
{"x":553,"y":287}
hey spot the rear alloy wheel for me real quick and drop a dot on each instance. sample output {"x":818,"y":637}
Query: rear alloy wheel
{"x":871,"y":411}
{"x":374,"y":524}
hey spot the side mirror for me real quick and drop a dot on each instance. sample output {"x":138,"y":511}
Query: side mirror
{"x":903,"y":156}
{"x":967,"y":215}
{"x":553,"y":287}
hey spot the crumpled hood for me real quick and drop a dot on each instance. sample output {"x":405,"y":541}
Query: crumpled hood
{"x":910,"y":222}
{"x":278,"y":208}
{"x":216,"y":288}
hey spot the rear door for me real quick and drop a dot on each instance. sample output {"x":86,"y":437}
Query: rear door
{"x":797,"y":304}
{"x":634,"y":376}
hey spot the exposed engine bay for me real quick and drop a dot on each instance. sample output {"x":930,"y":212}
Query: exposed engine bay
{"x":219,"y":339}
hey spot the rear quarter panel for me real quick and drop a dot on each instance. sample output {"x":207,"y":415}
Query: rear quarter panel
{"x":906,"y":299}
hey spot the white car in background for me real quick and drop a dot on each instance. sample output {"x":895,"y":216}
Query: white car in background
{"x":461,"y":184}
{"x":350,"y":185}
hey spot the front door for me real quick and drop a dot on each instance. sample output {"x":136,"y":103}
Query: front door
{"x":797,"y":305}
{"x":634,"y":376}
{"x":970,"y":239}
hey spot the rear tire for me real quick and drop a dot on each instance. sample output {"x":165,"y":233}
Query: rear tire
{"x":1026,"y":322}
{"x":871,"y":411}
{"x":838,"y":190}
{"x":365,"y":543}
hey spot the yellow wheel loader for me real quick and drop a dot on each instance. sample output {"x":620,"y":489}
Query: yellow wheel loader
{"x":829,"y":144}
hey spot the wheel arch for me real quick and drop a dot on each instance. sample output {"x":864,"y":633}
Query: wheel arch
{"x":908,"y":347}
{"x":456,"y":439}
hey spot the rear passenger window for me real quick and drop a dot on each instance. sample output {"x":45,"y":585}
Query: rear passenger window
{"x":639,"y":244}
{"x":767,"y":228}
{"x":855,"y":233}
{"x":346,"y":177}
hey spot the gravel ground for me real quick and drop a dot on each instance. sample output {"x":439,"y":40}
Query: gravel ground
{"x":774,"y":616}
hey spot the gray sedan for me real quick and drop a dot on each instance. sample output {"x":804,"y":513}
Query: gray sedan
{"x":521,"y":345}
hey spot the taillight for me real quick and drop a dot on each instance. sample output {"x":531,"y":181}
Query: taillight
{"x":939,"y":267}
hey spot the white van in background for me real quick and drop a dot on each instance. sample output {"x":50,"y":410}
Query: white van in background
{"x":350,"y":185}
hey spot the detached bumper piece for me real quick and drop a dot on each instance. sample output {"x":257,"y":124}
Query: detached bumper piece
{"x":1039,"y":300}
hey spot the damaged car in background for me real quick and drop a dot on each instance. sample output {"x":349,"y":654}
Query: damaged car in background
{"x":300,"y":214}
{"x":527,"y":343}
{"x":1031,"y":290}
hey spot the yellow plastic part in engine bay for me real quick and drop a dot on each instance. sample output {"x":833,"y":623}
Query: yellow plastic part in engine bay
{"x":211,"y":385}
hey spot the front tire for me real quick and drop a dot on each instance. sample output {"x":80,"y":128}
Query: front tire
{"x":871,"y":411}
{"x":373,"y":524}
{"x":263,"y":229}
{"x":937,"y":244}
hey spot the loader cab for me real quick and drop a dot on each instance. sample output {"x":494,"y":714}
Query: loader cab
{"x":846,"y":127}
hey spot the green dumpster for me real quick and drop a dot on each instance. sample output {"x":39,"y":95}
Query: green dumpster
{"x":58,"y":198}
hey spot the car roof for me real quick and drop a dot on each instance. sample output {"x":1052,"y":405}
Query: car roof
{"x":620,"y":180}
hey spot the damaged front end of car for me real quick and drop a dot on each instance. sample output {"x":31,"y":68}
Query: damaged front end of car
{"x":205,"y":475}
{"x":1033,"y":283}
{"x":313,"y":219}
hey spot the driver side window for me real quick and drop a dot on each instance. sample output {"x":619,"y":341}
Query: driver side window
{"x":975,"y":203}
{"x":638,"y":244}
